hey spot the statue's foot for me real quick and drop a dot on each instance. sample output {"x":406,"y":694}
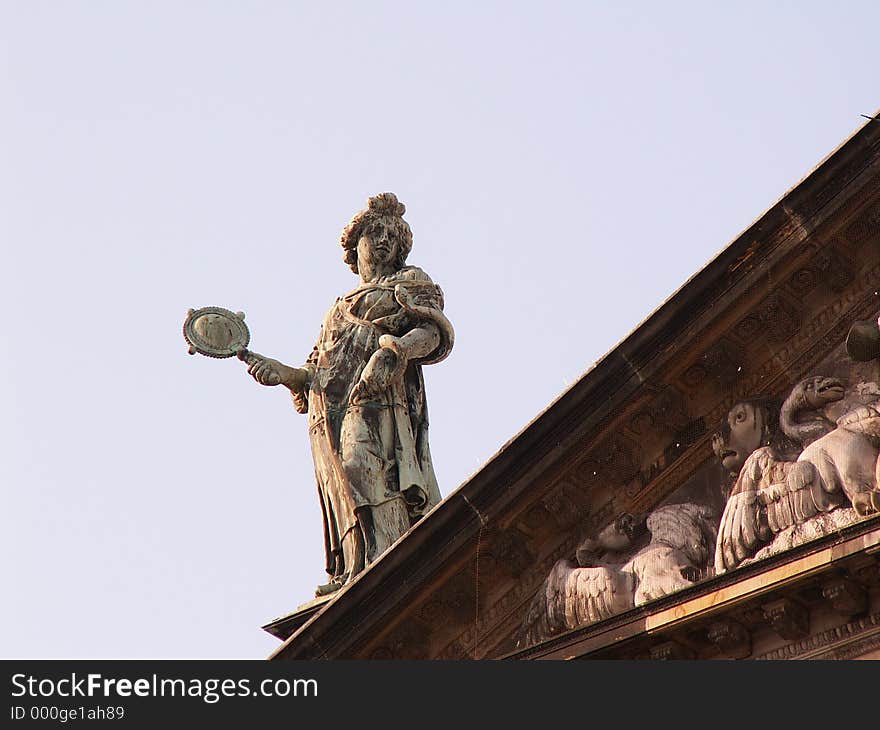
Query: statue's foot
{"x":331,"y":587}
{"x":325,"y":589}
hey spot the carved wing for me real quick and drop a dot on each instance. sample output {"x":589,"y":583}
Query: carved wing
{"x":689,"y":528}
{"x":739,"y":532}
{"x":680,"y":552}
{"x":662,"y":570}
{"x":572,"y":596}
{"x":800,"y":496}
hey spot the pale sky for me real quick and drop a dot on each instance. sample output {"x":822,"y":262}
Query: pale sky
{"x":566,"y":166}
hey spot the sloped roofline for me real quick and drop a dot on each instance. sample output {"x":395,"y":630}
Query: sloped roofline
{"x":457,"y":519}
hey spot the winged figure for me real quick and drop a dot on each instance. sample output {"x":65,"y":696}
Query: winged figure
{"x":632,"y":561}
{"x":837,"y":465}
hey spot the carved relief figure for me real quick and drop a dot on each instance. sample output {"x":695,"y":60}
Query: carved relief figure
{"x":778,"y":484}
{"x":776,"y":490}
{"x":636,"y":559}
{"x":795,"y":473}
{"x":364,"y":393}
{"x":802,"y":417}
{"x":750,"y":425}
{"x":632,"y":561}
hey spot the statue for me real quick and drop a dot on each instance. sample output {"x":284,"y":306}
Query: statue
{"x":364,"y":393}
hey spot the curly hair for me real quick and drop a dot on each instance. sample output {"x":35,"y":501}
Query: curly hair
{"x":383,"y":207}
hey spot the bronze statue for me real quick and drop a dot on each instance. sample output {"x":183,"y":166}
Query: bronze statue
{"x":363,"y":390}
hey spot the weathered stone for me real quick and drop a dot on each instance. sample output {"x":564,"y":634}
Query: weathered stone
{"x":670,"y":650}
{"x":731,"y":638}
{"x":630,"y":562}
{"x":362,"y":388}
{"x":788,"y":618}
{"x":789,"y":492}
{"x":846,"y":596}
{"x":215,"y":332}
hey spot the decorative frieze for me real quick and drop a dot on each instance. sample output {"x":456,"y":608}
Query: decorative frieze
{"x":822,"y":644}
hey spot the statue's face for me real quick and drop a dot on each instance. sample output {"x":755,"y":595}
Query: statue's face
{"x":746,"y":424}
{"x":378,"y":245}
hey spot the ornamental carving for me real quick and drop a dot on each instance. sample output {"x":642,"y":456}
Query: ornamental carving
{"x":792,"y":466}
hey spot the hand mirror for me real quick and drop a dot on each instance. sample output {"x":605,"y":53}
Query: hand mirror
{"x":216,"y":332}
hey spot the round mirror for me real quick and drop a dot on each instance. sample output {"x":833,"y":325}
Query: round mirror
{"x":215,"y":332}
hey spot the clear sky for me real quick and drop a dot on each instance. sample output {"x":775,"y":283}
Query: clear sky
{"x":566,"y":166}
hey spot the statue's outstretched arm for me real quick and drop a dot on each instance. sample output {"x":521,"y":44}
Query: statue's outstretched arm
{"x":268,"y":371}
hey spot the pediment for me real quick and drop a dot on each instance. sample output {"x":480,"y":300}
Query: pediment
{"x":635,"y":435}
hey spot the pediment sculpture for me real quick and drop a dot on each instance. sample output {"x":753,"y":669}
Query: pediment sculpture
{"x":797,"y":473}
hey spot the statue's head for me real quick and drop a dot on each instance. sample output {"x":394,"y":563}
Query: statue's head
{"x":384,"y":212}
{"x":749,"y":425}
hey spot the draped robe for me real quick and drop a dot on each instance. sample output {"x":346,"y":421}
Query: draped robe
{"x":372,"y":460}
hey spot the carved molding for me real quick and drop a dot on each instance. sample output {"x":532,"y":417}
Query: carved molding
{"x":852,"y":650}
{"x":731,"y":638}
{"x":843,"y":642}
{"x":790,"y":361}
{"x":846,"y":597}
{"x":794,"y":357}
{"x":835,"y":268}
{"x":510,"y":552}
{"x":803,"y":281}
{"x":720,"y":363}
{"x":521,"y":592}
{"x":568,"y":503}
{"x":407,"y":642}
{"x":867,"y":573}
{"x":779,"y":318}
{"x":682,"y":442}
{"x":788,"y":618}
{"x":669,"y":650}
{"x":865,"y":226}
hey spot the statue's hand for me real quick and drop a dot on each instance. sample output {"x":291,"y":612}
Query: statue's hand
{"x":376,"y":376}
{"x":267,"y":371}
